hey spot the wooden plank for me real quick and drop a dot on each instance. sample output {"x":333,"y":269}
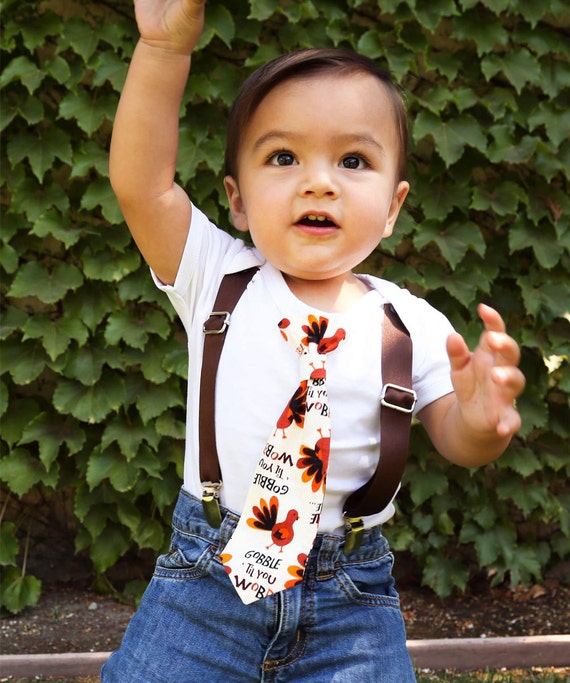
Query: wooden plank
{"x":493,"y":653}
{"x":450,"y":653}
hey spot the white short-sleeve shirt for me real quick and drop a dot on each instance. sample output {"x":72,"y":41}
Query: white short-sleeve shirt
{"x":259,"y":371}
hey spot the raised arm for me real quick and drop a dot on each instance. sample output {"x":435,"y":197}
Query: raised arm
{"x":144,"y":145}
{"x":474,"y":425}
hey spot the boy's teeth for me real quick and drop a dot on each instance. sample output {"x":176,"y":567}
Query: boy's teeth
{"x":312,"y":217}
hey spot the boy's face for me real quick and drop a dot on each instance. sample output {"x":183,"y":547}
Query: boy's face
{"x":317,"y":180}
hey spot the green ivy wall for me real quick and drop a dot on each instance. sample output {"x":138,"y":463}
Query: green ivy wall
{"x":93,"y":359}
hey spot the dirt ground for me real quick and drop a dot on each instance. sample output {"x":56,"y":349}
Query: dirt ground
{"x":71,"y":618}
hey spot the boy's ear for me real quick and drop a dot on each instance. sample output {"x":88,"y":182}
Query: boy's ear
{"x":237,"y":208}
{"x":398,"y":199}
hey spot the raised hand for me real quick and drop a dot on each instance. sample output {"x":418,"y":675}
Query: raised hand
{"x":487,"y":381}
{"x":173,"y":25}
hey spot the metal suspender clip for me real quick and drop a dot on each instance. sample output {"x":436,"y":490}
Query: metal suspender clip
{"x":354,"y":533}
{"x":210,"y":503}
{"x":399,"y":398}
{"x":209,"y":325}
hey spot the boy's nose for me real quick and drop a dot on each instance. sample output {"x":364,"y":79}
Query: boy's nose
{"x":319,"y":182}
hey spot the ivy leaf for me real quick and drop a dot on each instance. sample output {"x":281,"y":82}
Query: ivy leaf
{"x":80,"y":36}
{"x":149,"y":534}
{"x":128,"y":513}
{"x":430,"y":483}
{"x":165,"y":490}
{"x":525,"y":498}
{"x":497,"y":542}
{"x":262,"y":9}
{"x":485,"y":32}
{"x":31,"y":109}
{"x":40,"y":150}
{"x":167,"y":425}
{"x":129,"y":436}
{"x":110,"y":266}
{"x":23,"y":360}
{"x":443,"y":574}
{"x":464,"y":283}
{"x":431,"y":13}
{"x":518,"y":66}
{"x":502,"y":198}
{"x":556,"y":121}
{"x":34,"y":279}
{"x":55,"y":224}
{"x":453,"y":239}
{"x":89,"y":112}
{"x":20,"y":471}
{"x":157,"y":399}
{"x":93,"y":403}
{"x":51,"y":434}
{"x":505,"y":148}
{"x":34,"y":33}
{"x":548,"y":249}
{"x":86,"y":363}
{"x":111,"y":464}
{"x":109,"y":67}
{"x":91,"y":303}
{"x":18,"y":591}
{"x":100,"y":193}
{"x":370,"y":45}
{"x":521,"y":460}
{"x":9,"y":545}
{"x":134,"y":329}
{"x":88,"y":156}
{"x":4,"y":399}
{"x":24,"y":70}
{"x":526,"y":565}
{"x":55,"y":334}
{"x":546,"y":301}
{"x":451,"y":136}
{"x":108,"y":547}
{"x":13,"y":319}
{"x":219,"y":22}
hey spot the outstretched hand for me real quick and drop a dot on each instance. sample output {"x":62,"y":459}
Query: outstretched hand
{"x":487,"y":381}
{"x":173,"y":25}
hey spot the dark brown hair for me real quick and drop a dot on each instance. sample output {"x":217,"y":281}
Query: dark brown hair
{"x":308,"y":62}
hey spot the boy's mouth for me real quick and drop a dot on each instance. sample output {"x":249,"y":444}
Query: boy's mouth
{"x":314,"y":220}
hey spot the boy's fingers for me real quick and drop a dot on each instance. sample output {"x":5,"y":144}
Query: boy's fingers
{"x":504,"y":345}
{"x":510,"y":378}
{"x":457,"y":351}
{"x":491,"y":318}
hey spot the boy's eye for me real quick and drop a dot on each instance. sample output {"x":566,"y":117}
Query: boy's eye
{"x":282,"y":159}
{"x":353,"y":162}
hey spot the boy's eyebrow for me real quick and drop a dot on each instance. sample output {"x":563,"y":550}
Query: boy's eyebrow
{"x":346,"y":138}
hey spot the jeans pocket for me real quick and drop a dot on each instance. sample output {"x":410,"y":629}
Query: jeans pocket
{"x":188,"y":558}
{"x":369,"y":581}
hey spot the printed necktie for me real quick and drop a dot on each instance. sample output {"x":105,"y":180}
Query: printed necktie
{"x":270,"y":545}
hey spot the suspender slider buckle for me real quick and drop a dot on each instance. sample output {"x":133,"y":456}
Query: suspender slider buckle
{"x":217,"y":323}
{"x":399,"y":398}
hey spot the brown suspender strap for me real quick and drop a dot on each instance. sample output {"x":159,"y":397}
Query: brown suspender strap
{"x":231,"y":289}
{"x":397,"y":401}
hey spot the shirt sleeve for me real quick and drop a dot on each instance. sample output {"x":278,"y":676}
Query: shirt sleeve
{"x":209,"y":253}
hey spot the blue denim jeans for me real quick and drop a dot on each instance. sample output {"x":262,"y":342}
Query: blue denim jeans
{"x":342,"y":624}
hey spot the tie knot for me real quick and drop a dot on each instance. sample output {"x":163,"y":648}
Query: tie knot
{"x":311,"y":336}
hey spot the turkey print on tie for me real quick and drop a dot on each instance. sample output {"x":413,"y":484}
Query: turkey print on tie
{"x":276,"y":531}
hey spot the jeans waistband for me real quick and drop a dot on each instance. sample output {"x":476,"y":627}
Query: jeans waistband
{"x":327,"y":551}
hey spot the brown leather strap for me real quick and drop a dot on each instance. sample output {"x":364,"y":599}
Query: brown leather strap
{"x":232,"y":287}
{"x":397,"y":401}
